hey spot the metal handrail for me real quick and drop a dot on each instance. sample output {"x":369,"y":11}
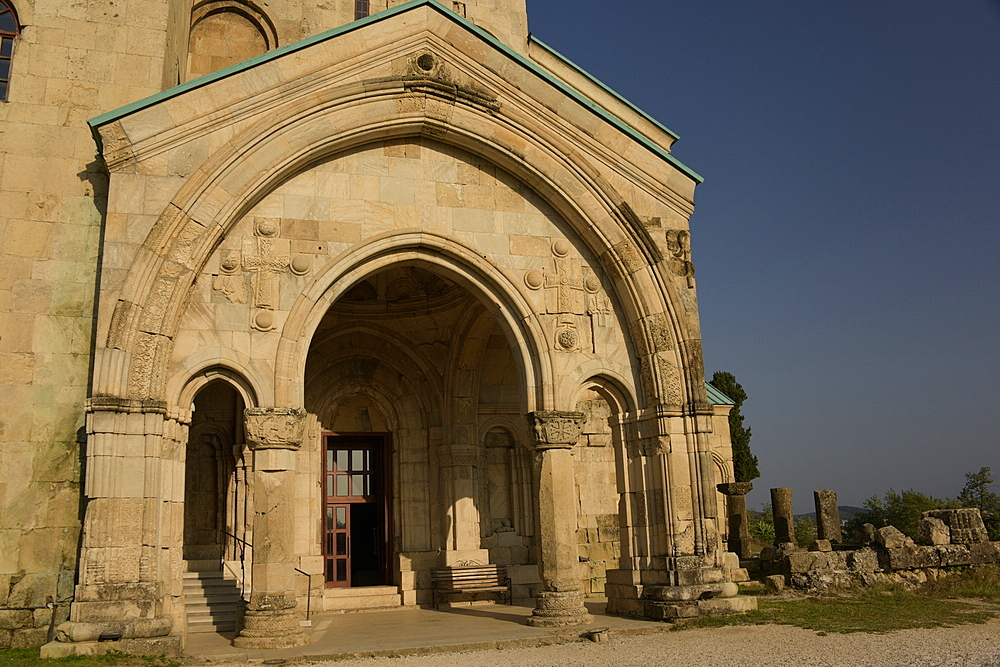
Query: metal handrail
{"x":243,"y":560}
{"x":244,"y":543}
{"x":309,"y":591}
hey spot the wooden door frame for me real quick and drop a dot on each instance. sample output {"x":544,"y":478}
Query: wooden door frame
{"x":382,"y":440}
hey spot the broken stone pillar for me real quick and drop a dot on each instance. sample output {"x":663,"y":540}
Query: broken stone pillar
{"x":965,"y":525}
{"x":784,"y":518}
{"x":274,"y":436}
{"x":827,"y":516}
{"x":457,"y":463}
{"x":560,"y":603}
{"x":739,"y":534}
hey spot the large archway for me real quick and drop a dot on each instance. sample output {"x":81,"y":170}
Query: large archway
{"x":403,"y":372}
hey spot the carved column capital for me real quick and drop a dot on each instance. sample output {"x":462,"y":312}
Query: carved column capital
{"x":275,"y":428}
{"x":555,"y":429}
{"x":457,"y":455}
{"x":735,"y":488}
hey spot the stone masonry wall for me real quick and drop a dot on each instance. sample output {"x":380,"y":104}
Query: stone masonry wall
{"x":598,"y":535}
{"x":72,"y":62}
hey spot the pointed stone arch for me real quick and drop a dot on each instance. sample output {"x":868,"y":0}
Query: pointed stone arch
{"x":145,"y":317}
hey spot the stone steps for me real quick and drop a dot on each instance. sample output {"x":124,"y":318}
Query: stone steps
{"x":211,"y":599}
{"x":367,"y":598}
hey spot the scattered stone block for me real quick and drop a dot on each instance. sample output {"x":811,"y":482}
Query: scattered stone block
{"x":965,"y":525}
{"x":820,"y":545}
{"x":775,"y":583}
{"x":890,"y":537}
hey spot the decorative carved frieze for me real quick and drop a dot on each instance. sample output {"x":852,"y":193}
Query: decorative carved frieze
{"x":275,"y":428}
{"x":554,"y":429}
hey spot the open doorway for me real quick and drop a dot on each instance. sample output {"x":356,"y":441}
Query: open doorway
{"x":356,"y":517}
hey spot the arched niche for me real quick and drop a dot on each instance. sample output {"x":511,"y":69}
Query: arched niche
{"x":225,"y":32}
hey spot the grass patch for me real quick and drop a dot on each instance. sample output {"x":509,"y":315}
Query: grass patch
{"x":28,"y":657}
{"x":873,"y":611}
{"x":981,"y":582}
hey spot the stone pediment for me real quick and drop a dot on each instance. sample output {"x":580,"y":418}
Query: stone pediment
{"x":419,"y":58}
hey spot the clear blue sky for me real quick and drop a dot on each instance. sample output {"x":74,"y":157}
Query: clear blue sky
{"x":847,"y":236}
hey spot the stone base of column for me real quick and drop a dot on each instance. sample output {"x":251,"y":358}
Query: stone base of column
{"x":559,"y":609}
{"x":704,"y":592}
{"x":168,"y":646}
{"x":270,"y":628}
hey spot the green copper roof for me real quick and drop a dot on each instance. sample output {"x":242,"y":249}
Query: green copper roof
{"x":716,"y":397}
{"x":112,"y":116}
{"x":590,"y":77}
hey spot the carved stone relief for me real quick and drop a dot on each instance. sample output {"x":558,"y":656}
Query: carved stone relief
{"x":275,"y":428}
{"x":572,"y":291}
{"x":679,"y":246}
{"x":262,"y":259}
{"x":555,"y":428}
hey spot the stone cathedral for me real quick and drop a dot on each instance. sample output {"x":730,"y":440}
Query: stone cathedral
{"x":314,"y":297}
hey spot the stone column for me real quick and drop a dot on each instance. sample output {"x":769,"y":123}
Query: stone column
{"x":560,"y":604}
{"x":274,"y":436}
{"x":827,"y":516}
{"x":784,"y":518}
{"x":736,"y":507}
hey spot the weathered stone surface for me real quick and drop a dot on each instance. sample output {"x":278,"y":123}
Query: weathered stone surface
{"x":965,"y":525}
{"x":255,"y":236}
{"x":827,"y":516}
{"x":783,"y":514}
{"x":775,"y":583}
{"x":820,"y":545}
{"x":890,"y":537}
{"x":933,"y":531}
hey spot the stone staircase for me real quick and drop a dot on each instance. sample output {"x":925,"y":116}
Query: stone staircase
{"x":367,"y":598}
{"x":210,"y":597}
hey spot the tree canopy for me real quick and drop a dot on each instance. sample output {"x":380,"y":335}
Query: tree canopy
{"x":744,"y":462}
{"x":976,"y":493}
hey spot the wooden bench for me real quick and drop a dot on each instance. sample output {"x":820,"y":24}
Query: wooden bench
{"x":470,"y":579}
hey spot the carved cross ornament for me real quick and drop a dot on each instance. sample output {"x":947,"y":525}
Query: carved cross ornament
{"x":555,"y":429}
{"x":275,"y":428}
{"x":264,"y":258}
{"x":571,"y":290}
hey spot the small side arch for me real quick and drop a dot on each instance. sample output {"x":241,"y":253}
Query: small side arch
{"x":197,"y":381}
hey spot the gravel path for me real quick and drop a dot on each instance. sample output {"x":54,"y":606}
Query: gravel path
{"x":739,"y":646}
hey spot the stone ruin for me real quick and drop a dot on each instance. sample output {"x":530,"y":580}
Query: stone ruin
{"x":945,"y":538}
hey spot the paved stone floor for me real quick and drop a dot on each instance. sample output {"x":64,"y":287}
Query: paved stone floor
{"x":414,"y":631}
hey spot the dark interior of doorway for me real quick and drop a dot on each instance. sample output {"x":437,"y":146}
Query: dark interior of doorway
{"x":357,"y":517}
{"x":366,"y":556}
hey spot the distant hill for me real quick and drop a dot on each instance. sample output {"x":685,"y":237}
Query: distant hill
{"x":847,"y":513}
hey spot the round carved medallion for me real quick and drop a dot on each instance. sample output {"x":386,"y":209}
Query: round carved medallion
{"x":301,"y":264}
{"x":560,"y":247}
{"x":267,"y":226}
{"x":567,"y":339}
{"x":534,"y":279}
{"x":263,"y":320}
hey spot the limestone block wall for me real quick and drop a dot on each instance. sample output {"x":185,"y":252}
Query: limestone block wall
{"x":598,"y":534}
{"x":72,"y":61}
